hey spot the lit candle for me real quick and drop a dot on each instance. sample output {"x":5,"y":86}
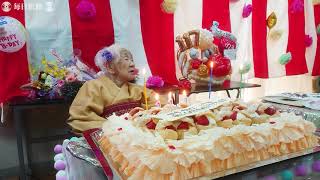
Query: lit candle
{"x":211,"y":78}
{"x":184,"y":97}
{"x":241,"y":70}
{"x":170,"y":100}
{"x":145,"y":88}
{"x":157,"y":104}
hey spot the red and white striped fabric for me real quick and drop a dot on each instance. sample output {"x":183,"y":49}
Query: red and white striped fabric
{"x":142,"y":27}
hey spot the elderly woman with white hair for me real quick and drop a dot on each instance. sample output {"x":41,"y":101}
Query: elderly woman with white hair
{"x":111,"y":93}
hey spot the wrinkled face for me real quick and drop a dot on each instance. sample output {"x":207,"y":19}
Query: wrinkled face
{"x":124,"y":66}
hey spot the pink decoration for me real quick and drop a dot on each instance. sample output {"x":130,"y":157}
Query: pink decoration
{"x":301,"y":170}
{"x":308,"y":40}
{"x":247,"y":9}
{"x":58,"y":149}
{"x":154,"y":81}
{"x":86,"y":10}
{"x":316,"y":166}
{"x":60,"y":165}
{"x":297,"y":6}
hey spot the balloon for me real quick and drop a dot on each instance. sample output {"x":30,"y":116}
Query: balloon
{"x":86,"y":10}
{"x":308,"y":40}
{"x":169,"y":6}
{"x":287,"y":175}
{"x":194,"y":53}
{"x":271,"y":20}
{"x":244,"y":68}
{"x":222,"y":66}
{"x":13,"y":34}
{"x":285,"y":58}
{"x":275,"y":34}
{"x":247,"y":9}
{"x":58,"y":148}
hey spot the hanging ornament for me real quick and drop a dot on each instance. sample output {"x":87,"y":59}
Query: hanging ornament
{"x":86,"y":10}
{"x":247,"y":9}
{"x":271,"y":20}
{"x":169,"y":6}
{"x":296,"y":6}
{"x":308,"y":40}
{"x":285,"y":58}
{"x":13,"y":34}
{"x":318,"y":29}
{"x":275,"y":35}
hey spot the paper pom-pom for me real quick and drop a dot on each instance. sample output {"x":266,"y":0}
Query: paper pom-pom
{"x":154,"y":81}
{"x":275,"y":34}
{"x":247,"y":9}
{"x":287,"y":175}
{"x":297,"y":6}
{"x":61,"y":175}
{"x":169,"y":6}
{"x":60,"y":165}
{"x":301,"y":170}
{"x":318,"y":29}
{"x":316,"y":166}
{"x":86,"y":10}
{"x":244,"y":68}
{"x":285,"y":58}
{"x":58,"y":157}
{"x":58,"y":149}
{"x":308,"y":40}
{"x":194,"y":53}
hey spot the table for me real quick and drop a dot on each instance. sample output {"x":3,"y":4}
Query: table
{"x":233,"y":85}
{"x":19,"y":107}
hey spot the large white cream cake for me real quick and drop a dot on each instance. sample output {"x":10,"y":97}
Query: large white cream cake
{"x":183,"y":143}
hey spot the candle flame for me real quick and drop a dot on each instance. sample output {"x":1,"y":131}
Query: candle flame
{"x":211,"y":64}
{"x":157,"y":96}
{"x":184,"y":93}
{"x":144,"y":71}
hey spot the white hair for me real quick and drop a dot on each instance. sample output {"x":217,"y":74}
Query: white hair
{"x":100,"y":61}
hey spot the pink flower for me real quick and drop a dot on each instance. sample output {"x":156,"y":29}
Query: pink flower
{"x":154,"y":81}
{"x":60,"y":83}
{"x":71,"y":77}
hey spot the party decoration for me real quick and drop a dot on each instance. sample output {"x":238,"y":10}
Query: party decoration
{"x":74,"y":139}
{"x":220,"y":33}
{"x":13,"y":34}
{"x":244,"y":68}
{"x":318,"y":29}
{"x":316,"y":166}
{"x":169,"y":6}
{"x":58,"y":149}
{"x":297,"y":6}
{"x":275,"y":35}
{"x":198,"y":48}
{"x":308,"y":40}
{"x":155,"y":81}
{"x":60,"y":165}
{"x":59,"y":157}
{"x":184,"y":84}
{"x":194,"y":53}
{"x":301,"y":170}
{"x":271,"y":20}
{"x":287,"y":175}
{"x":247,"y":9}
{"x":86,"y":10}
{"x":285,"y":58}
{"x":61,"y":175}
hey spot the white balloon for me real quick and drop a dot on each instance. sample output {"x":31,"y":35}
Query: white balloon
{"x":14,"y":37}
